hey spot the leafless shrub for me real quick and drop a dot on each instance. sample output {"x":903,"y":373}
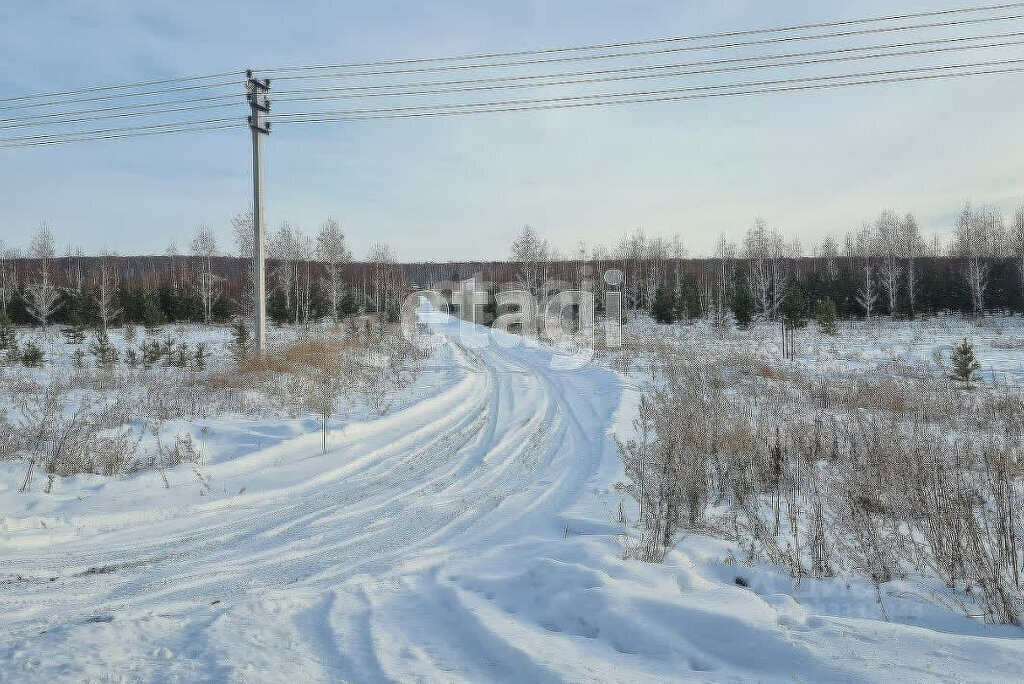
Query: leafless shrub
{"x":872,"y":474}
{"x":112,"y":418}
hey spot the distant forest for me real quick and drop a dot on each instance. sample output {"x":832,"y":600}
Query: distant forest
{"x":887,"y":268}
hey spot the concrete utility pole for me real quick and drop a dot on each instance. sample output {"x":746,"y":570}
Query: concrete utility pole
{"x":260,"y":105}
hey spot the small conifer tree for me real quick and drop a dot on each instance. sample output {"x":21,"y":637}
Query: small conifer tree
{"x":32,"y":355}
{"x":965,"y":365}
{"x":240,"y":331}
{"x":663,"y":308}
{"x":202,"y":353}
{"x":828,"y":320}
{"x":152,"y":316}
{"x":106,"y":354}
{"x":743,"y":306}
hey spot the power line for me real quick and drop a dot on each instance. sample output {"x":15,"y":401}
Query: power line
{"x":221,"y":84}
{"x":748,"y":87}
{"x":655,"y":41}
{"x":22,"y":102}
{"x":670,"y":98}
{"x":87,"y":119}
{"x":284,"y":118}
{"x":652,"y":67}
{"x":103,"y":131}
{"x":633,"y":76}
{"x":61,"y":118}
{"x":100,"y":98}
{"x":499,"y":83}
{"x":647,"y":53}
{"x":123,"y":86}
{"x":120,"y":108}
{"x":114,"y":136}
{"x":502,"y":82}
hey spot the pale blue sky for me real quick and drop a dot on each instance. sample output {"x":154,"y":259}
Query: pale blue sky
{"x":461,"y":187}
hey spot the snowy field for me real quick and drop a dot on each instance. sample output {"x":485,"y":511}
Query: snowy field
{"x":921,"y":347}
{"x":469,"y":534}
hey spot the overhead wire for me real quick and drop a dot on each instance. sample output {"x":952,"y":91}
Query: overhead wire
{"x":616,"y":55}
{"x":287,"y":95}
{"x":656,"y":41}
{"x":536,"y":80}
{"x":127,"y":134}
{"x":655,"y":67}
{"x":282,"y":118}
{"x":646,"y":53}
{"x":668,"y":98}
{"x":123,"y":86}
{"x":660,"y":95}
{"x":126,"y":105}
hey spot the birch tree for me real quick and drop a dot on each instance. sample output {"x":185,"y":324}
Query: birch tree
{"x":970,"y":243}
{"x":42,"y":296}
{"x":830,"y":254}
{"x":8,"y":275}
{"x":911,"y":249}
{"x":333,"y":252}
{"x":204,"y":246}
{"x":304,"y":278}
{"x":530,"y":251}
{"x":243,"y":234}
{"x":385,"y":286}
{"x":73,"y":268}
{"x":867,"y":293}
{"x":284,"y":249}
{"x":888,"y":244}
{"x":767,"y":273}
{"x":636,"y":252}
{"x":172,"y":259}
{"x":105,"y":305}
{"x":244,"y":238}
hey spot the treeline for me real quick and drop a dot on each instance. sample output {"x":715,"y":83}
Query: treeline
{"x":942,"y":287}
{"x":304,"y":284}
{"x":169,"y":304}
{"x":886,"y":268}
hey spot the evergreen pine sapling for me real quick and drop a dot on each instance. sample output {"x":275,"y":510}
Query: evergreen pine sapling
{"x":32,"y":355}
{"x":167,"y":350}
{"x":663,"y":308}
{"x":827,"y":318}
{"x":202,"y":353}
{"x":180,"y":356}
{"x":152,"y":352}
{"x":347,"y":306}
{"x":965,"y":365}
{"x":743,"y":306}
{"x":152,"y":316}
{"x":794,"y":308}
{"x":106,"y":354}
{"x":240,"y":331}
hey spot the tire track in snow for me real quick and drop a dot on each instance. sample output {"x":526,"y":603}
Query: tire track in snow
{"x":489,"y":459}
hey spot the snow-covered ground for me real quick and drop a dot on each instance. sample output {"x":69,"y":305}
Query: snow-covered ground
{"x":469,"y":535}
{"x":880,"y":345}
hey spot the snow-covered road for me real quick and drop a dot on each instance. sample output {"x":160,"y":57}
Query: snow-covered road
{"x":499,"y":456}
{"x":468,"y":537}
